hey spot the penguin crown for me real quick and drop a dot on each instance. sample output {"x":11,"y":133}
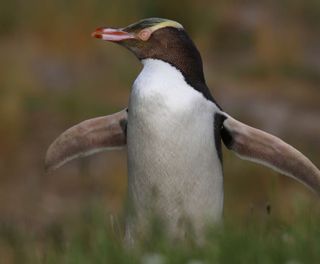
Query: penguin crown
{"x":152,"y":24}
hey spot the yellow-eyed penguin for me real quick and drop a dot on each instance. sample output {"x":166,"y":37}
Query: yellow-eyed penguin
{"x":173,"y":129}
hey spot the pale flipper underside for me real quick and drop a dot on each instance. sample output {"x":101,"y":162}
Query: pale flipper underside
{"x":255,"y":145}
{"x":90,"y":136}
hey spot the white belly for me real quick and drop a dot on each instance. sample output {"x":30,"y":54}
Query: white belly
{"x":173,"y":166}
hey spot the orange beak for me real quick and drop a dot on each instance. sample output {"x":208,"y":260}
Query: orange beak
{"x":111,"y":34}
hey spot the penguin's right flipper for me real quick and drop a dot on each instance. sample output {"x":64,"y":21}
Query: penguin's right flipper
{"x":88,"y":137}
{"x":258,"y":146}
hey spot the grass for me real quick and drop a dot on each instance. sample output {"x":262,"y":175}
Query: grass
{"x":88,"y":239}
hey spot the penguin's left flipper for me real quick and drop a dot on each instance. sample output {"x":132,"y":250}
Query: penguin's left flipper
{"x":258,"y":146}
{"x":88,"y":137}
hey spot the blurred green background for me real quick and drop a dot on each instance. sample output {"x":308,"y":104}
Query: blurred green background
{"x":262,"y":64}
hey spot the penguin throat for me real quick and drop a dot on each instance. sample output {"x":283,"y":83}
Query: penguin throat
{"x":195,"y":78}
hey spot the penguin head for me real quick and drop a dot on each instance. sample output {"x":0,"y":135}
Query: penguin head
{"x":146,"y":38}
{"x":162,"y":39}
{"x":149,"y":38}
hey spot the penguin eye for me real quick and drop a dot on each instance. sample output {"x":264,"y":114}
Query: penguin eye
{"x":145,"y":34}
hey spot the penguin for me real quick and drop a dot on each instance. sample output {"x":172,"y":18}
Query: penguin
{"x":172,"y":131}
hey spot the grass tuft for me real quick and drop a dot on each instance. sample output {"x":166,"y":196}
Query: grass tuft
{"x":89,"y":239}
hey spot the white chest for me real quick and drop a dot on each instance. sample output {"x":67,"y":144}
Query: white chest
{"x":171,"y":147}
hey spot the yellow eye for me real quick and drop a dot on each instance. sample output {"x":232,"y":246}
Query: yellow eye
{"x":145,"y":34}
